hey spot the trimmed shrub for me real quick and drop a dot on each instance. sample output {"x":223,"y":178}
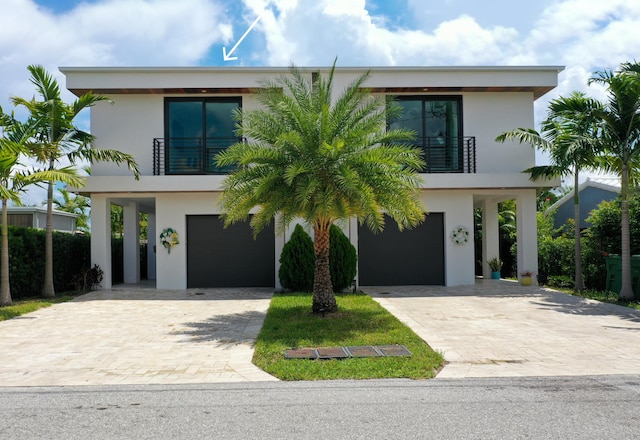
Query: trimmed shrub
{"x":298,"y":258}
{"x":296,"y":262}
{"x":343,"y":259}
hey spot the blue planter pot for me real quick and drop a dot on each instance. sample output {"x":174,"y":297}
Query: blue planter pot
{"x":495,"y":275}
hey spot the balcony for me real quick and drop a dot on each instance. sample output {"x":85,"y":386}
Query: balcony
{"x":449,"y":154}
{"x":184,"y":156}
{"x":193,"y":156}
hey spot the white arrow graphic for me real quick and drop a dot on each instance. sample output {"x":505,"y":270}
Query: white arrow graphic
{"x":227,"y":55}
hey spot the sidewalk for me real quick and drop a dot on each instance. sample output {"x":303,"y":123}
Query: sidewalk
{"x":137,"y":336}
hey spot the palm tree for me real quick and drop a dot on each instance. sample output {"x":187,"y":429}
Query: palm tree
{"x":320,"y":157}
{"x":569,"y":135}
{"x":14,"y":178}
{"x":58,"y":140}
{"x":75,"y":204}
{"x":621,"y":141}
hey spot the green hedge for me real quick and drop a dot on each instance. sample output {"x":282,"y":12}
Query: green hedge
{"x":71,"y":255}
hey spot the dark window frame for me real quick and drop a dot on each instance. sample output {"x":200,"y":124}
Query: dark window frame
{"x":422,"y":141}
{"x":204,"y":139}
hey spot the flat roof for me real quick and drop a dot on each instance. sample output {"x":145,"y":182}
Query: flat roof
{"x":243,"y":80}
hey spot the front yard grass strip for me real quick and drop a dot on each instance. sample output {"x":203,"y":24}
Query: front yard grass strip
{"x":360,"y":321}
{"x":27,"y":306}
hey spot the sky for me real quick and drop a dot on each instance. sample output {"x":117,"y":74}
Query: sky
{"x":583,"y":35}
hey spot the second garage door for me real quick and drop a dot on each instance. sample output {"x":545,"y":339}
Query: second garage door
{"x":219,"y":257}
{"x":394,"y":258}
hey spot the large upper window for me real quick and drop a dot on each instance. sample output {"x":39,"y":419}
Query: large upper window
{"x":437,"y":121}
{"x":196,"y":130}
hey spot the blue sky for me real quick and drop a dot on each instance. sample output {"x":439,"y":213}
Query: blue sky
{"x":582,"y":35}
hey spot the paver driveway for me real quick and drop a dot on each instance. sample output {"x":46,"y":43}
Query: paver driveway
{"x":499,"y":328}
{"x":136,"y":336}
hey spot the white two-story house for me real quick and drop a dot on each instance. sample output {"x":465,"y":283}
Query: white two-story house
{"x":175,"y":120}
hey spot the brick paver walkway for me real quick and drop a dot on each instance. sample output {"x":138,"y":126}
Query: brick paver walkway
{"x":137,"y":336}
{"x":132,"y":335}
{"x":499,"y":328}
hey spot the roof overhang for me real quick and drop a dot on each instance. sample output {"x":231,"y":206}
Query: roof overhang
{"x":537,"y":80}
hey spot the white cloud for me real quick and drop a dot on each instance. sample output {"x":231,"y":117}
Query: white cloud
{"x":315,"y":34}
{"x":110,"y":32}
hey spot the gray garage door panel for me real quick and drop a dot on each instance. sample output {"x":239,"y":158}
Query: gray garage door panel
{"x":219,"y":257}
{"x":394,"y":258}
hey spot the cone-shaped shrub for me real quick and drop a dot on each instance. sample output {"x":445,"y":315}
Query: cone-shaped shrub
{"x":343,"y":259}
{"x":296,"y":262}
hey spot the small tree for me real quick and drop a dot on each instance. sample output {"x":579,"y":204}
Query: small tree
{"x":321,"y":157}
{"x":14,"y":178}
{"x":57,"y":140}
{"x":568,"y":134}
{"x":296,"y":262}
{"x":620,"y":138}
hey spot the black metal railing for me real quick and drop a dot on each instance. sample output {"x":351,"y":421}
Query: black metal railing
{"x":449,"y":154}
{"x":183,"y":156}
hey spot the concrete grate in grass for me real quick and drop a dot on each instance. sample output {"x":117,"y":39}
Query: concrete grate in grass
{"x":346,"y":352}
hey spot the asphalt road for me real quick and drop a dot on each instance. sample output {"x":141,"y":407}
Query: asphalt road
{"x":532,"y":408}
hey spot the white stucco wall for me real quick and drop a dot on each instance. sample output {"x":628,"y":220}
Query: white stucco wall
{"x":171,"y":212}
{"x":129,"y":125}
{"x":486,"y":115}
{"x":457,"y":207}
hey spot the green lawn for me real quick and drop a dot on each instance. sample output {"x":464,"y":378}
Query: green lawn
{"x":21,"y":307}
{"x":360,"y":321}
{"x":610,"y":297}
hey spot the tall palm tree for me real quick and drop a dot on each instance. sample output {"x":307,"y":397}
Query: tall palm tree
{"x":14,"y":178}
{"x":320,"y":157}
{"x":621,"y":141}
{"x":57,"y":140}
{"x":569,"y":135}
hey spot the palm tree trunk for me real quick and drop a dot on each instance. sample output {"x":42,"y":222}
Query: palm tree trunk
{"x":324,"y":301}
{"x":5,"y":287}
{"x":578,"y":282}
{"x":626,"y":291}
{"x":48,"y":291}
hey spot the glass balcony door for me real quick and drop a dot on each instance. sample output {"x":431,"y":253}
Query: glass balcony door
{"x":196,"y":130}
{"x":438,"y":127}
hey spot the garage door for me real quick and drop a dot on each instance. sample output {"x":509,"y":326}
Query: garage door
{"x":394,"y":258}
{"x":219,"y":257}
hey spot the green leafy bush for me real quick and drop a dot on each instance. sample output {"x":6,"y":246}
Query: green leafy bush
{"x":296,"y":262}
{"x":343,"y":259}
{"x":87,"y":279}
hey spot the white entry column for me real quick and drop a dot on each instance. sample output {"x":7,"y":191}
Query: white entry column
{"x":101,"y":236}
{"x":527,"y":232}
{"x":131,"y":243}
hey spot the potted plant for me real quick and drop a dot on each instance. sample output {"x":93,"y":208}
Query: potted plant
{"x":526,"y":277}
{"x":495,"y":264}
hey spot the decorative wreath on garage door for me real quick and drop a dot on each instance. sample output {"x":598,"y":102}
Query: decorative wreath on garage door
{"x":460,"y":235}
{"x":169,"y":238}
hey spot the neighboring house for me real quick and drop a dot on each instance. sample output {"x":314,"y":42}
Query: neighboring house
{"x":175,"y":120}
{"x":591,"y":192}
{"x":34,"y":217}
